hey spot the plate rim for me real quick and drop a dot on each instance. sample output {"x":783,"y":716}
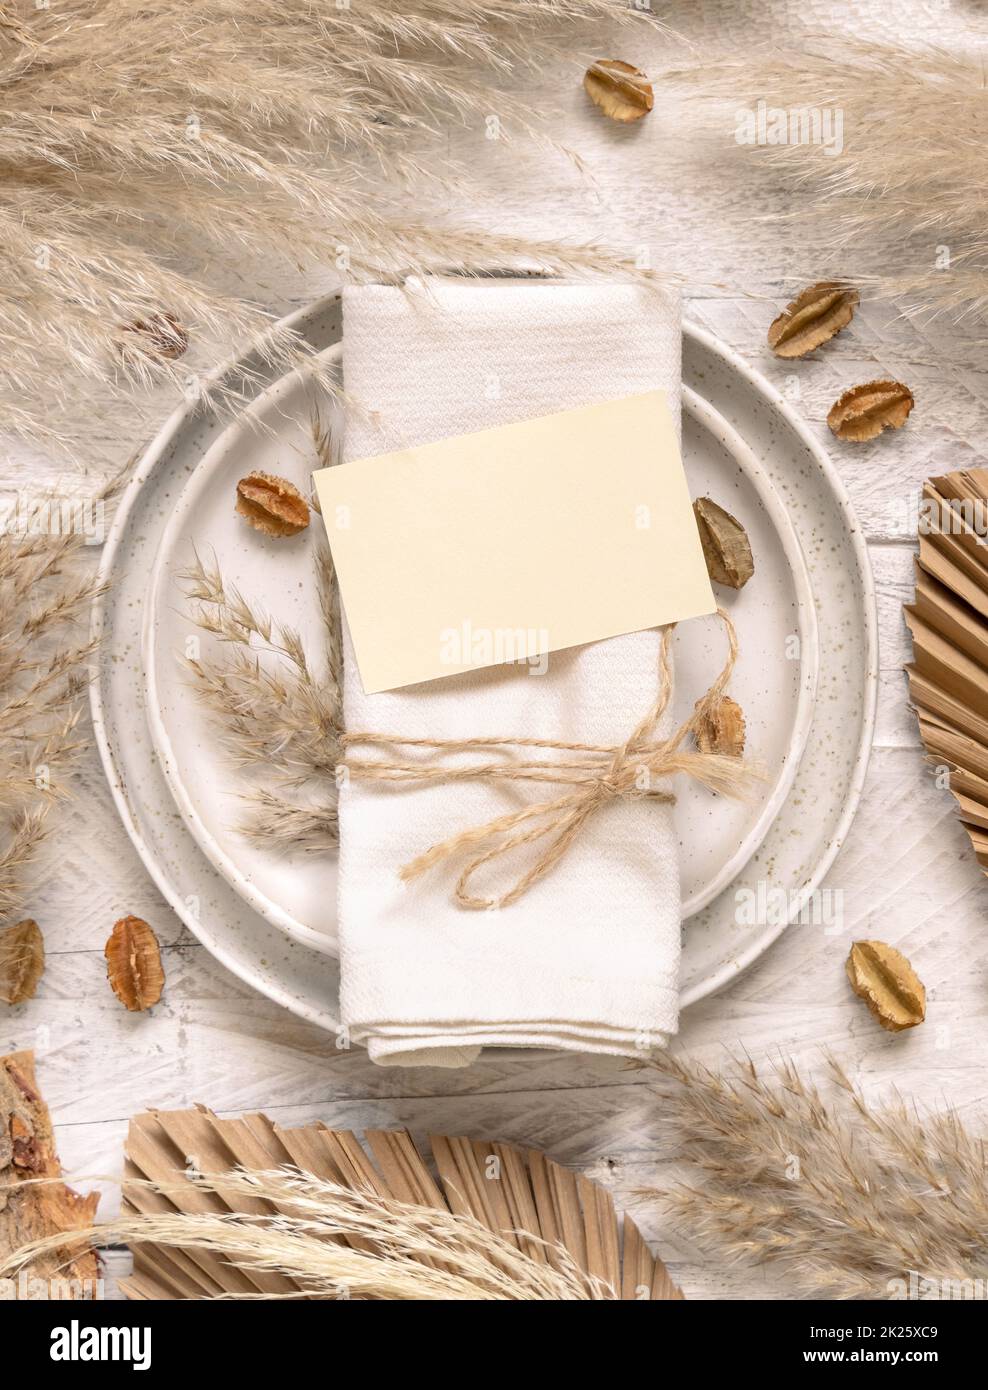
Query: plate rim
{"x":806,"y":699}
{"x":859,"y":769}
{"x":161,"y":740}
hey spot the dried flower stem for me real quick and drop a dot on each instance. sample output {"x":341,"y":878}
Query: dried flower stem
{"x":844,"y":1197}
{"x":398,"y":1250}
{"x":911,"y":172}
{"x":138,"y":138}
{"x":46,"y":587}
{"x":278,"y":713}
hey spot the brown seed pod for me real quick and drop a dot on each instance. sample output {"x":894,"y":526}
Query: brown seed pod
{"x":22,"y":961}
{"x":621,"y":91}
{"x":133,"y":964}
{"x":812,"y":318}
{"x":725,"y":543}
{"x":272,"y":505}
{"x":160,"y":335}
{"x":721,"y":730}
{"x":864,"y":411}
{"x":884,"y":979}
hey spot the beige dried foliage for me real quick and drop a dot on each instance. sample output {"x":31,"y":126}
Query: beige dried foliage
{"x":721,"y":730}
{"x":160,"y":336}
{"x":272,"y":505}
{"x":133,"y":964}
{"x":864,"y":411}
{"x":276,"y":708}
{"x":914,"y":158}
{"x":884,"y":979}
{"x":47,"y":584}
{"x":621,"y":91}
{"x":399,"y":1250}
{"x":726,"y":548}
{"x":815,"y":316}
{"x":840,"y":1194}
{"x":139,"y":139}
{"x":22,"y":961}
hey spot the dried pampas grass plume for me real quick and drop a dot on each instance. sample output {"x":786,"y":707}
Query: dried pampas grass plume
{"x":397,"y":1250}
{"x":46,"y":589}
{"x":141,"y":139}
{"x":847,"y":1199}
{"x":909,"y":171}
{"x":278,"y":710}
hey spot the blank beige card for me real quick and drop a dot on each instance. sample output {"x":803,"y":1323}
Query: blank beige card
{"x":511,"y":543}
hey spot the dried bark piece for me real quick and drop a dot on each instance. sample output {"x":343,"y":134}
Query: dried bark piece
{"x":726,"y":548}
{"x":812,"y":318}
{"x":721,"y":730}
{"x":134,"y":964}
{"x":161,"y":336}
{"x":22,"y":961}
{"x":272,"y":505}
{"x":884,"y":979}
{"x":621,"y":91}
{"x":864,"y":411}
{"x":29,"y":1211}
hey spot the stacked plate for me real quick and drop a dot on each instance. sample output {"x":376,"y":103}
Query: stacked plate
{"x":806,"y":679}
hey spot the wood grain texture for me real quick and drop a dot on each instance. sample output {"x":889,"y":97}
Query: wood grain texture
{"x":906,"y":874}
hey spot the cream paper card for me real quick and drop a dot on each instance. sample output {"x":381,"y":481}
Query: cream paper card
{"x":511,"y":543}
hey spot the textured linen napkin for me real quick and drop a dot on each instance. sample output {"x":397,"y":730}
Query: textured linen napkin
{"x":588,"y":959}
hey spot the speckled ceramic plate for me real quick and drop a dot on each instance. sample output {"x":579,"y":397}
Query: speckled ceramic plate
{"x":797,"y":848}
{"x":297,"y":892}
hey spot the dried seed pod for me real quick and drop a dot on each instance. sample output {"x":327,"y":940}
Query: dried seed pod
{"x":133,"y":964}
{"x":813,"y":318}
{"x":884,"y":979}
{"x":272,"y":505}
{"x":721,"y":729}
{"x":621,"y":91}
{"x":161,"y":335}
{"x":726,"y":548}
{"x":22,"y":961}
{"x":864,"y":411}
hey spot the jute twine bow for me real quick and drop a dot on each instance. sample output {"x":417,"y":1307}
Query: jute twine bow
{"x":598,"y":773}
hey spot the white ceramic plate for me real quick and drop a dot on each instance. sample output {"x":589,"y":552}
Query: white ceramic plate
{"x":297,"y":892}
{"x":797,"y":848}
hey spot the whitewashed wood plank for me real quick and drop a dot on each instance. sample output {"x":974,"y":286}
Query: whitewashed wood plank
{"x":906,"y":873}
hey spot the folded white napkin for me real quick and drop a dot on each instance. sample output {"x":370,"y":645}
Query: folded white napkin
{"x":588,"y":959}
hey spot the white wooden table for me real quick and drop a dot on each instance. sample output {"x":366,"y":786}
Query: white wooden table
{"x":907,"y":873}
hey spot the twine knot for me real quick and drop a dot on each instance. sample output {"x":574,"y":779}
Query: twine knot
{"x":596,"y":773}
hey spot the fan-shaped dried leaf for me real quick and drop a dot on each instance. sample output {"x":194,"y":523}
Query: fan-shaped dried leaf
{"x":620,"y":90}
{"x":813,"y":318}
{"x":884,"y":979}
{"x":22,"y":961}
{"x":726,"y":548}
{"x":864,"y":411}
{"x":721,"y":730}
{"x":272,"y":505}
{"x":134,"y":964}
